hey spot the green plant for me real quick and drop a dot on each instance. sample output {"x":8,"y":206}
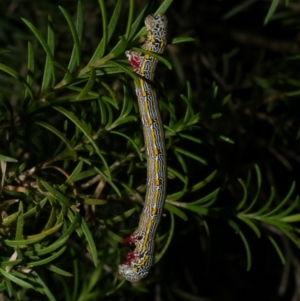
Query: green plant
{"x":72,"y":160}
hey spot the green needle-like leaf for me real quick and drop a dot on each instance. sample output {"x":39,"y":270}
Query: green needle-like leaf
{"x":271,"y":11}
{"x":49,"y":73}
{"x":48,"y":259}
{"x":176,"y":211}
{"x":16,"y":280}
{"x":258,"y":175}
{"x":275,"y":245}
{"x":64,"y":201}
{"x":77,"y":51}
{"x":169,"y":238}
{"x":191,"y":155}
{"x":282,"y":203}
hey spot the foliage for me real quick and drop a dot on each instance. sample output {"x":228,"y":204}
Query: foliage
{"x":73,"y":156}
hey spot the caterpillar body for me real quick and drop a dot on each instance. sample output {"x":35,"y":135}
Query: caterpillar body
{"x":138,"y":262}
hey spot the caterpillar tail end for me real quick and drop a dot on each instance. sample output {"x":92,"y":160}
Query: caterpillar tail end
{"x":129,"y":273}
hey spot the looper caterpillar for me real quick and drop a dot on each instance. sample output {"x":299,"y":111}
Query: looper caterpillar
{"x":138,"y":263}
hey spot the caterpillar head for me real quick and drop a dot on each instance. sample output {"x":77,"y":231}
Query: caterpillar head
{"x":129,"y":273}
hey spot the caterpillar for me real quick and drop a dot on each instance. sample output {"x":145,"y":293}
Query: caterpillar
{"x":138,"y":262}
